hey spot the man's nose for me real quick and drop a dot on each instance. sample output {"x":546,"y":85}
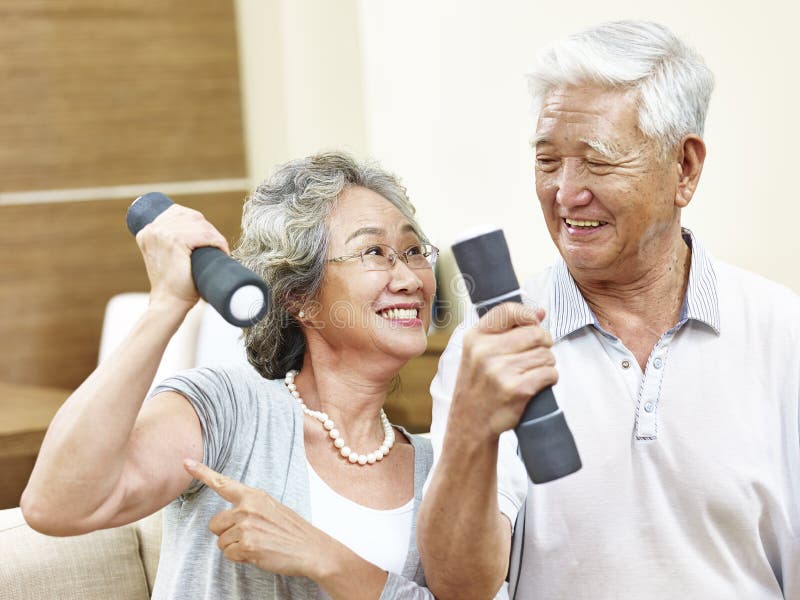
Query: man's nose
{"x":572,"y":190}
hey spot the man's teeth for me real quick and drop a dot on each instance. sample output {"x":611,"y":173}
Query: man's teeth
{"x":399,"y":313}
{"x":575,"y":223}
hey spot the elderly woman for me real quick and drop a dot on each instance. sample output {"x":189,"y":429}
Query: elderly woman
{"x":283,"y":481}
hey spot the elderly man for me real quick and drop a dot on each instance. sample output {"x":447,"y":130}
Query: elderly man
{"x":679,"y":375}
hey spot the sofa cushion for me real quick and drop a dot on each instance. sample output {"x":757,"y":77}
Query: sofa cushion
{"x":103,"y":564}
{"x":149,"y":532}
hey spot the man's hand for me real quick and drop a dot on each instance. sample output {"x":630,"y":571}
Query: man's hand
{"x":465,"y":542}
{"x":506,"y":360}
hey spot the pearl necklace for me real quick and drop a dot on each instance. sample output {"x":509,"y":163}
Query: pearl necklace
{"x":333,"y":433}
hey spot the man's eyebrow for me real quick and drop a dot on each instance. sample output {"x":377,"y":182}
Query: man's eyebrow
{"x":538,"y":139}
{"x":607,"y":149}
{"x":407,"y":228}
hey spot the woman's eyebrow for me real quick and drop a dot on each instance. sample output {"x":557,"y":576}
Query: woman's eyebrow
{"x":365,"y":231}
{"x":407,"y":228}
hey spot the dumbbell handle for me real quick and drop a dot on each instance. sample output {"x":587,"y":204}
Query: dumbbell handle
{"x":236,"y":292}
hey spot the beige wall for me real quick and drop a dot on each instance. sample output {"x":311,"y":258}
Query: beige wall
{"x":435,"y":91}
{"x":448,"y":109}
{"x":302,"y":82}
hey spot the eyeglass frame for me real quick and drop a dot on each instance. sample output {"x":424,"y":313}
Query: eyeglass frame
{"x":392,"y":257}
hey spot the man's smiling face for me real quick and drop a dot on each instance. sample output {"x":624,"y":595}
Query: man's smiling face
{"x":607,"y":195}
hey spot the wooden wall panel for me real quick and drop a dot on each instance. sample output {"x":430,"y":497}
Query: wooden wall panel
{"x":410,"y":404}
{"x":59,"y":265}
{"x":99,"y":93}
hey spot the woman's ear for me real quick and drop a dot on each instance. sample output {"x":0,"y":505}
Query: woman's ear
{"x":294,"y":305}
{"x":691,"y":156}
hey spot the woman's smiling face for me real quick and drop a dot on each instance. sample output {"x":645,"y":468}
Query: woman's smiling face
{"x":373,"y":313}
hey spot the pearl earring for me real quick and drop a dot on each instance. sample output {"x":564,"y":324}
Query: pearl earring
{"x":301,"y":314}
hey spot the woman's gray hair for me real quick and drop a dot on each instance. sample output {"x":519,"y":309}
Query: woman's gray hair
{"x":673,"y":81}
{"x":285,"y":240}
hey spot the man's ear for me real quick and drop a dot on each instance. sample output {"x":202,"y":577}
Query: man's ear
{"x":691,"y":156}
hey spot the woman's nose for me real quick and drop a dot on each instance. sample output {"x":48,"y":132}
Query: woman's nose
{"x":403,"y":277}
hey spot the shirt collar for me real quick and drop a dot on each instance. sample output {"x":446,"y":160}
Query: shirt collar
{"x":570,"y":312}
{"x":702,"y":297}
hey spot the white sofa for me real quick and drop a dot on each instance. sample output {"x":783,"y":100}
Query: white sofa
{"x":204,"y":338}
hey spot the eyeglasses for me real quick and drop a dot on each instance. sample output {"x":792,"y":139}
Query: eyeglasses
{"x":380,"y":257}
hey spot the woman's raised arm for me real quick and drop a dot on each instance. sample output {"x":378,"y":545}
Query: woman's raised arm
{"x":108,"y":457}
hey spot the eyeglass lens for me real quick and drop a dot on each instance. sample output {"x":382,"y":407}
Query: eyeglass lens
{"x":381,"y":257}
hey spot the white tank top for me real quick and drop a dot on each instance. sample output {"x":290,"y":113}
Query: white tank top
{"x":379,"y":536}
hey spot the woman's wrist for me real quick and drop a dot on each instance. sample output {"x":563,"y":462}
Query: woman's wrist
{"x":344,"y":574}
{"x":330,"y":562}
{"x":167,"y":310}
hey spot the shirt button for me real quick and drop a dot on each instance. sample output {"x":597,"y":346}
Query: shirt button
{"x":657,"y":363}
{"x":626,"y":364}
{"x":649,"y":407}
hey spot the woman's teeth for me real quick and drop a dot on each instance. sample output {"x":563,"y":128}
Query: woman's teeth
{"x":399,"y":313}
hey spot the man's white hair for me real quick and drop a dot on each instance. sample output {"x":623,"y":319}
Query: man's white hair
{"x":673,"y":81}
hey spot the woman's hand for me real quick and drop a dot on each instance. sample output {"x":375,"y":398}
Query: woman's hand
{"x":166,"y":245}
{"x":506,"y":360}
{"x":261,"y":531}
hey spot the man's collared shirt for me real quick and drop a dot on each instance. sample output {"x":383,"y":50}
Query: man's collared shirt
{"x":690,"y":486}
